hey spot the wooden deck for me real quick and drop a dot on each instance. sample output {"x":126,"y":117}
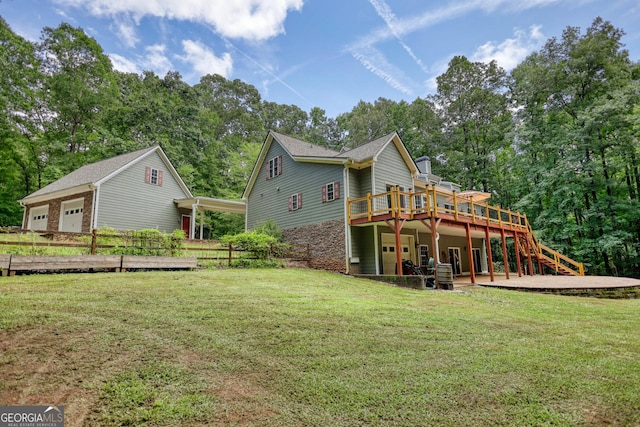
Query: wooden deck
{"x":434,"y":207}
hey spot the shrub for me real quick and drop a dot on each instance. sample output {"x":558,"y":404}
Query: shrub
{"x":258,"y":244}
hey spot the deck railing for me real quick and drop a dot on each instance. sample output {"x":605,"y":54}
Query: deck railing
{"x":396,"y":203}
{"x":434,"y":202}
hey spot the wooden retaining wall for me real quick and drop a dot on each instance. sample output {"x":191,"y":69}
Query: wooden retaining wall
{"x":12,"y":264}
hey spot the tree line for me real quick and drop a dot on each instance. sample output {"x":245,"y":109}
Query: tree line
{"x":556,"y":138}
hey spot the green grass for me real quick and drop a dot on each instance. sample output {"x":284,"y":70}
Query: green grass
{"x":307,"y":348}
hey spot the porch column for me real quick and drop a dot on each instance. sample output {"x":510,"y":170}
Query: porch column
{"x":489,"y":254}
{"x":505,"y":258}
{"x":201,"y":224}
{"x":192,"y":228}
{"x":470,"y":254}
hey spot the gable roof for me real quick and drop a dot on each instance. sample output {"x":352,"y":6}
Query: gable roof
{"x":303,"y":151}
{"x":94,"y":174}
{"x":299,"y":148}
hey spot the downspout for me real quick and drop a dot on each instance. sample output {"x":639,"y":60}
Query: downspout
{"x":24,"y":215}
{"x":93,"y":207}
{"x":347,"y":226}
{"x":96,"y":209}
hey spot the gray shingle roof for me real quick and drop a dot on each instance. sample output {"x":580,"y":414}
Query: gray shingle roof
{"x":299,"y":148}
{"x":91,"y":173}
{"x":368,"y":150}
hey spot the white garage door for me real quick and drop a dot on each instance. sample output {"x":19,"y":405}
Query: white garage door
{"x":71,"y":216}
{"x":38,"y":218}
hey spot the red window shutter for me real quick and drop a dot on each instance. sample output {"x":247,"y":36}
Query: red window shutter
{"x":299,"y":200}
{"x":290,"y":203}
{"x":280,"y":165}
{"x":336,"y":190}
{"x":159,"y":178}
{"x":324,"y":193}
{"x":147,"y":175}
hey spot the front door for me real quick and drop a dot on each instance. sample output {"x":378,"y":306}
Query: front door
{"x":389,"y":258}
{"x":186,"y":225}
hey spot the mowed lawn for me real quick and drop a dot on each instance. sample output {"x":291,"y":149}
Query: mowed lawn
{"x":294,"y":347}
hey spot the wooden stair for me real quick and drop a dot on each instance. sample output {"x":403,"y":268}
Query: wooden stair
{"x":531,"y":247}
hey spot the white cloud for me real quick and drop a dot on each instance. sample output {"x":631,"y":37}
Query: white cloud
{"x":246,"y":19}
{"x":204,"y":60}
{"x":123,"y":64}
{"x":512,"y":51}
{"x":374,"y":61}
{"x":126,"y":31}
{"x":156,"y":60}
{"x":384,"y":11}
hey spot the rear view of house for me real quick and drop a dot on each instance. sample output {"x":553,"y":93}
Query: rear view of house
{"x":368,"y":209}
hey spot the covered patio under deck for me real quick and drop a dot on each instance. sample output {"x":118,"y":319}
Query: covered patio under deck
{"x":444,"y":213}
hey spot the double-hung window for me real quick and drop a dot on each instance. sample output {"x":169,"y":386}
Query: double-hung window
{"x":330,"y":191}
{"x":295,"y":201}
{"x":153,"y":176}
{"x":274,"y":167}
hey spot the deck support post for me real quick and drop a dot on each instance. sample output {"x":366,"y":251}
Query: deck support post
{"x":505,"y":258}
{"x":517,"y":243}
{"x":470,"y":254}
{"x":528,"y":249}
{"x":489,"y":252}
{"x":396,"y":227}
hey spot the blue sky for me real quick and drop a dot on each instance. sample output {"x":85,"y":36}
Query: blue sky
{"x":319,"y":53}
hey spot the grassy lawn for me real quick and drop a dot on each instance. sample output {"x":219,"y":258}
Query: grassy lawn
{"x":307,"y":348}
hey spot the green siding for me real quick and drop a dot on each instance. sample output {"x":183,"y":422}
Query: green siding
{"x":126,"y":202}
{"x":359,"y":182}
{"x":362,"y":246}
{"x":390,"y":168}
{"x":269,"y":198}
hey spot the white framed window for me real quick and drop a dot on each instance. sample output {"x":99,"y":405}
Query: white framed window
{"x":424,"y":256}
{"x":274,"y":167}
{"x":295,"y":201}
{"x":330,"y":191}
{"x":153,"y":176}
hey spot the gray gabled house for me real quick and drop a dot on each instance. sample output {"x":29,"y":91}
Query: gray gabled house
{"x":304,"y":189}
{"x":132,"y":191}
{"x":368,"y":209}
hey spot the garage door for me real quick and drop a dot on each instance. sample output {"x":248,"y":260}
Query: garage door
{"x":389,"y":259}
{"x":38,"y":218}
{"x":72,"y":216}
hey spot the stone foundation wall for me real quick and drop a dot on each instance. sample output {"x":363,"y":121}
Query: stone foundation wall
{"x":326,"y":244}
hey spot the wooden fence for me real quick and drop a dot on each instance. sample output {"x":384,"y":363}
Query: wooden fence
{"x":26,"y":242}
